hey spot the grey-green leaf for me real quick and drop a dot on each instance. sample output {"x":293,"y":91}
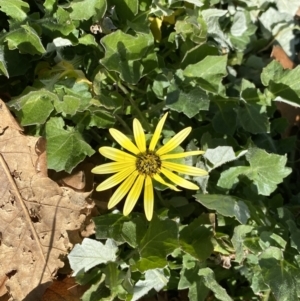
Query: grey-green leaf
{"x":265,"y":170}
{"x":123,"y":52}
{"x":240,"y":233}
{"x":91,"y":253}
{"x":34,"y":107}
{"x":16,"y":9}
{"x":279,"y":275}
{"x":66,"y":147}
{"x":195,"y":239}
{"x":190,"y":102}
{"x":121,"y":228}
{"x":210,"y":282}
{"x":154,"y":279}
{"x":282,"y":83}
{"x":85,"y":9}
{"x":225,"y":205}
{"x":221,"y":155}
{"x":252,"y":119}
{"x":190,"y":279}
{"x":160,"y":240}
{"x":208,"y":72}
{"x":26,"y":39}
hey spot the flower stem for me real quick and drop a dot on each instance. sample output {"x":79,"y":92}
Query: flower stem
{"x":126,"y":127}
{"x":142,"y":118}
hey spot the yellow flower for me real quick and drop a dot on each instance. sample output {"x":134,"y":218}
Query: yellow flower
{"x":143,"y":165}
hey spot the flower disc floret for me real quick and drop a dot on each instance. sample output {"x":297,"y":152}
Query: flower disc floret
{"x":138,"y":169}
{"x":148,"y":163}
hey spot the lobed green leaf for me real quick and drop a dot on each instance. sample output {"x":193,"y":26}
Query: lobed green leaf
{"x":90,"y":254}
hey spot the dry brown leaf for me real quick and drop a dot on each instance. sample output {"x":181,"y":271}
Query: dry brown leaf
{"x":41,"y":163}
{"x":40,"y":221}
{"x":287,"y":111}
{"x":64,"y":290}
{"x":280,"y":56}
{"x":4,"y":298}
{"x":80,"y":179}
{"x":3,"y":290}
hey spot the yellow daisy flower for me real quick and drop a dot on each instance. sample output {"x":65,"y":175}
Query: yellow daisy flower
{"x":143,"y":165}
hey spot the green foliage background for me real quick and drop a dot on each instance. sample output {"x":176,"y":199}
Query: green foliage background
{"x":73,"y":69}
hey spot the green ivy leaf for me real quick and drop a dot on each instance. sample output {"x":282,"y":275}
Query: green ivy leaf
{"x":49,"y":6}
{"x":190,"y":279}
{"x":93,"y":116}
{"x":113,"y":280}
{"x":85,"y":9}
{"x":225,"y":205}
{"x":126,"y":9}
{"x":188,"y":29}
{"x":268,"y":239}
{"x":212,"y":18}
{"x":154,"y":279}
{"x":3,"y":65}
{"x":295,"y":234}
{"x":252,"y":119}
{"x":100,"y":118}
{"x":208,"y":278}
{"x":195,"y":239}
{"x":134,"y":230}
{"x":250,"y":93}
{"x":110,"y":226}
{"x":123,"y":52}
{"x":242,"y":31}
{"x":60,"y":26}
{"x":198,"y":3}
{"x":221,"y":155}
{"x":282,"y":82}
{"x":68,"y":106}
{"x":16,"y":9}
{"x":238,"y":237}
{"x":279,"y":275}
{"x":15,"y":62}
{"x":225,"y":119}
{"x":265,"y":170}
{"x":160,"y":240}
{"x":88,"y":40}
{"x":26,"y":40}
{"x":91,"y":253}
{"x":96,"y":292}
{"x":34,"y":107}
{"x":90,"y":276}
{"x":208,"y":72}
{"x":189,"y":103}
{"x":66,"y":147}
{"x":198,"y":53}
{"x":121,"y":228}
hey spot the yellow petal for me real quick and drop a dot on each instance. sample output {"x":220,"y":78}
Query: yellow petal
{"x":139,"y":135}
{"x":188,"y":170}
{"x":116,"y":154}
{"x":122,"y":190}
{"x":159,"y":179}
{"x":157,"y":132}
{"x":181,"y":155}
{"x":148,"y":198}
{"x":174,"y":142}
{"x":111,"y":167}
{"x":133,"y":195}
{"x":124,"y":141}
{"x":178,"y":180}
{"x":115,"y":179}
{"x":155,"y":27}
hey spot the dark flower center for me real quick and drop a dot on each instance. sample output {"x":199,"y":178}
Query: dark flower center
{"x":148,"y":163}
